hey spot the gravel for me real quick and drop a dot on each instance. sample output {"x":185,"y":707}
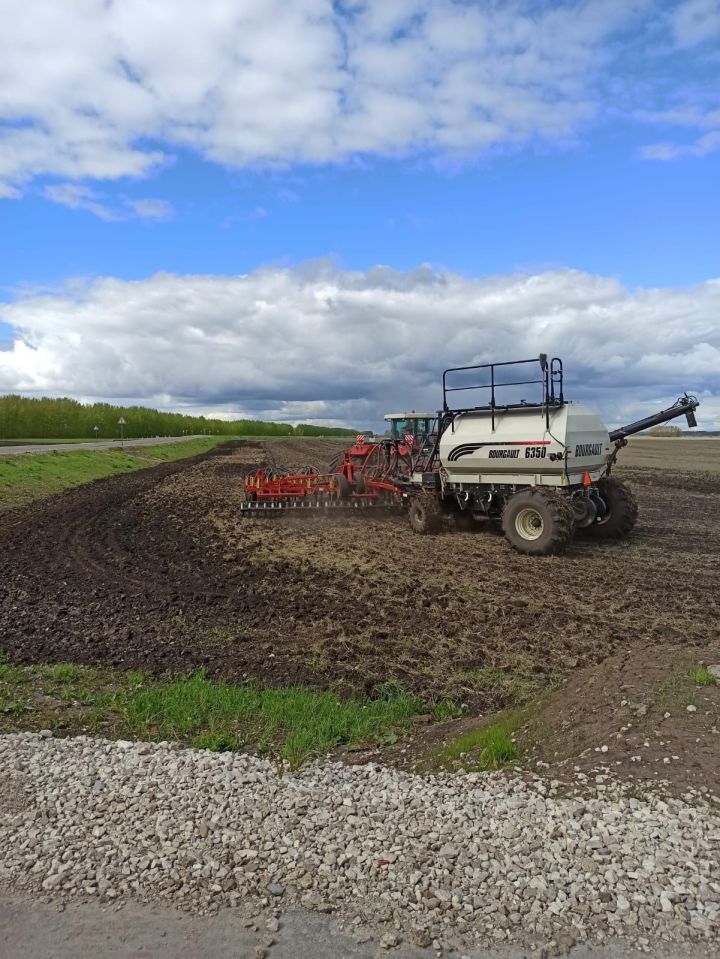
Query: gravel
{"x":488,"y":859}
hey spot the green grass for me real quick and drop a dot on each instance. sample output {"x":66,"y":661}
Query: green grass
{"x":678,"y":689}
{"x":292,"y":724}
{"x":484,"y":749}
{"x":63,"y":673}
{"x":703,"y":677}
{"x":36,"y":475}
{"x":49,"y":441}
{"x":295,"y":723}
{"x":444,"y":710}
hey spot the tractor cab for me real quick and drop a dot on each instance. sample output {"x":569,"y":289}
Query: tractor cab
{"x":417,"y":425}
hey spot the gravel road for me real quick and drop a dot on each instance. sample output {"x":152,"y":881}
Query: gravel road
{"x":471,"y":861}
{"x":92,"y":445}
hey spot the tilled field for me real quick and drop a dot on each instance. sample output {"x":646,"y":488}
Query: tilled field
{"x":157,"y":570}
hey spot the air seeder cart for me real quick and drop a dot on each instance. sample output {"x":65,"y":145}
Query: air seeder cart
{"x":541,"y":467}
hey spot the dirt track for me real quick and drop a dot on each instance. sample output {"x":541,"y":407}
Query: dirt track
{"x":155,"y":570}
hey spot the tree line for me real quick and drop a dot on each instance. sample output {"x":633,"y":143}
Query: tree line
{"x":45,"y":418}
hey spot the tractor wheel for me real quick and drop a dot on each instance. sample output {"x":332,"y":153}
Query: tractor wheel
{"x":342,"y":486}
{"x":538,"y":521}
{"x":621,"y":511}
{"x":425,"y":514}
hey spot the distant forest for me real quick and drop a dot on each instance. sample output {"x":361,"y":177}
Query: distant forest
{"x":24,"y":418}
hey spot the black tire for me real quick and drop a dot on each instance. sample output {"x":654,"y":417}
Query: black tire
{"x":425,"y":515}
{"x":538,"y":521}
{"x":622,"y":511}
{"x":342,"y":486}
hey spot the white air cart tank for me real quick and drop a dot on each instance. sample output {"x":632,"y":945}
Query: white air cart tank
{"x":525,"y":447}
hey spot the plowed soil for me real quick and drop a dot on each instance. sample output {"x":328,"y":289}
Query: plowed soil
{"x":156,"y":570}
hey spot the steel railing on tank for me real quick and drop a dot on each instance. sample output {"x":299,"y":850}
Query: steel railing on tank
{"x":550,"y":381}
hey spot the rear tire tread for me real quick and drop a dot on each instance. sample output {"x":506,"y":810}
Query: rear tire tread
{"x":426,"y":514}
{"x":559,"y":514}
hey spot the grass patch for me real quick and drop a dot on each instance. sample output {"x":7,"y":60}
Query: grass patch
{"x":480,"y":750}
{"x":48,"y":441}
{"x":295,"y":723}
{"x":679,"y":689}
{"x":445,"y":710}
{"x":62,"y":673}
{"x":291,"y":723}
{"x":36,"y":475}
{"x":703,"y":677}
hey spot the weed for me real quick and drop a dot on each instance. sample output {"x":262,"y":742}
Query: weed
{"x":390,"y":691}
{"x":445,"y":709}
{"x":12,"y":675}
{"x":219,"y":634}
{"x":12,"y":706}
{"x":703,"y":677}
{"x":318,"y":662}
{"x":63,"y":673}
{"x":677,"y":689}
{"x":487,"y":748}
{"x":218,"y":742}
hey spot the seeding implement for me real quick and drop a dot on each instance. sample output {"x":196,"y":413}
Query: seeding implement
{"x":541,"y":468}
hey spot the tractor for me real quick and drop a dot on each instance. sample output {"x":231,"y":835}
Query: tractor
{"x":541,"y":467}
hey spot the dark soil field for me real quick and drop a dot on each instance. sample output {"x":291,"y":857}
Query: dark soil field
{"x":156,"y":570}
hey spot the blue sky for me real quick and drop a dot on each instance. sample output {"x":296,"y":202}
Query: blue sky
{"x":595,"y":207}
{"x":490,"y":142}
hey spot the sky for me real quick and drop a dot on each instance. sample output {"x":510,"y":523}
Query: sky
{"x":305,"y":210}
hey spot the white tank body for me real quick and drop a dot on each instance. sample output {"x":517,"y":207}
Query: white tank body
{"x":525,"y":447}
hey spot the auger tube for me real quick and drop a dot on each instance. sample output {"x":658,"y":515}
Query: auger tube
{"x":684,"y":406}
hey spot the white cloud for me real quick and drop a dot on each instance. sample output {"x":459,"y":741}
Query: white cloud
{"x":317,"y":342}
{"x":149,"y":209}
{"x":694,"y":52}
{"x":98,"y":90}
{"x":696,"y":21}
{"x":77,"y":196}
{"x":707,"y":143}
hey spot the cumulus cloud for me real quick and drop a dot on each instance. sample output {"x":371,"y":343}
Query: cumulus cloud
{"x":91,"y":89}
{"x":320,"y":343}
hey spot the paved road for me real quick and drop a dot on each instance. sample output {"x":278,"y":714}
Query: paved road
{"x":99,"y":445}
{"x":32,"y":929}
